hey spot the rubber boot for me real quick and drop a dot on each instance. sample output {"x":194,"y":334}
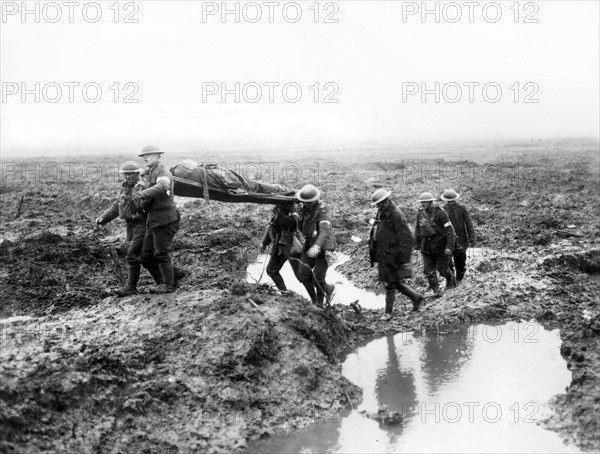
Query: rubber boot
{"x":329,"y":289}
{"x":278,"y":280}
{"x":168,"y":286}
{"x":433,"y":283}
{"x":390,"y":297}
{"x":179,"y":273}
{"x":310,"y":289}
{"x":459,"y":276}
{"x":416,"y":298}
{"x":131,"y":287}
{"x":155,"y":272}
{"x":321,"y":288}
{"x":450,"y":281}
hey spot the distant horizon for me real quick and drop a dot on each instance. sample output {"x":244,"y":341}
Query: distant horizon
{"x":31,"y":153}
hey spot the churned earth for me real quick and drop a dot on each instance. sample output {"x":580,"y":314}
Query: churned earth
{"x":222,"y":362}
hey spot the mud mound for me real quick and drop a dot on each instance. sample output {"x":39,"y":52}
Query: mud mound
{"x":201,"y":372}
{"x":47,"y":270}
{"x":585,"y":261}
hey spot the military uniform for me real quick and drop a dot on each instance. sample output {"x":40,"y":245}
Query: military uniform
{"x":162,"y":221}
{"x":391,"y":244}
{"x":123,"y":208}
{"x":465,"y":235}
{"x":435,"y":234}
{"x":279,"y":237}
{"x":315,"y":225}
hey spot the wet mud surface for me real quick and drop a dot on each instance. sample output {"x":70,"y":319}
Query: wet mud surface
{"x":222,"y":361}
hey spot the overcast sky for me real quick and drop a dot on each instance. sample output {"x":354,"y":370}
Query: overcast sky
{"x":374,"y":58}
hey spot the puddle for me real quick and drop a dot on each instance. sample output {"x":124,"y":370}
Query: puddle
{"x":15,"y":319}
{"x":481,"y":388}
{"x":345,"y":291}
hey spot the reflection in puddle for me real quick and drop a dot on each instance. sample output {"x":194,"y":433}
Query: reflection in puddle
{"x":479,"y":389}
{"x":345,"y":291}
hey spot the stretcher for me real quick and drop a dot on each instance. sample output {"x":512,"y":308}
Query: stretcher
{"x":212,"y":182}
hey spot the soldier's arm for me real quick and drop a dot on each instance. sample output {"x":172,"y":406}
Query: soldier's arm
{"x":289,"y":221}
{"x":444,"y":220}
{"x":162,"y":186}
{"x":324,"y":227}
{"x":469,"y":226}
{"x":404,"y":238}
{"x":417,"y":234}
{"x":111,"y":213}
{"x":266,"y":239}
{"x":372,"y":247}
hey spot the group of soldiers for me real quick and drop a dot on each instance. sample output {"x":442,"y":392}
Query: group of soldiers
{"x":442,"y":235}
{"x":146,"y":204}
{"x":299,"y":234}
{"x":310,"y":226}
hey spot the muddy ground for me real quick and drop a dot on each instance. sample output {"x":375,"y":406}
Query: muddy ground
{"x":222,"y":362}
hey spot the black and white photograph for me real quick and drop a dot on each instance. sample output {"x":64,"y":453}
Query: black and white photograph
{"x":312,"y":226}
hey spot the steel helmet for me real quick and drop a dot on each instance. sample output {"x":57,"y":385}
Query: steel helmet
{"x":426,"y":197}
{"x":379,"y":196}
{"x":450,"y":195}
{"x":308,"y":193}
{"x":130,"y":167}
{"x":150,"y":149}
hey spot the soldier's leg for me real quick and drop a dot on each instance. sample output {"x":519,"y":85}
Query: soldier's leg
{"x":390,"y":297}
{"x":133,"y":257}
{"x":460,"y":259}
{"x":275,"y":264}
{"x":441,"y":263}
{"x":414,"y":296}
{"x":147,"y":257}
{"x":430,"y":274}
{"x":451,"y":262}
{"x":320,"y":273}
{"x":305,"y":275}
{"x":163,"y":239}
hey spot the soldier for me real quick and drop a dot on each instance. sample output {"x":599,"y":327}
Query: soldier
{"x":163,"y":218}
{"x":279,"y":235}
{"x":435,"y":238}
{"x":315,"y":225}
{"x":391,"y":244}
{"x":463,"y":227}
{"x":123,"y":208}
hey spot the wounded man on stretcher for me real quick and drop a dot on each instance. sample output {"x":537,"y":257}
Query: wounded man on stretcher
{"x":193,"y":180}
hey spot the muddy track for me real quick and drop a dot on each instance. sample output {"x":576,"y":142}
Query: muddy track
{"x":222,"y":361}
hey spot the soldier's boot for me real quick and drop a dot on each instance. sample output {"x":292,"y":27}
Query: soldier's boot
{"x":433,"y":283}
{"x":450,"y":281}
{"x":168,"y":285}
{"x":390,"y":297}
{"x":131,"y":287}
{"x":416,"y":298}
{"x":155,"y":272}
{"x":310,"y":289}
{"x":329,"y":289}
{"x":459,"y":276}
{"x":178,"y":274}
{"x":320,"y":297}
{"x":278,"y":281}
